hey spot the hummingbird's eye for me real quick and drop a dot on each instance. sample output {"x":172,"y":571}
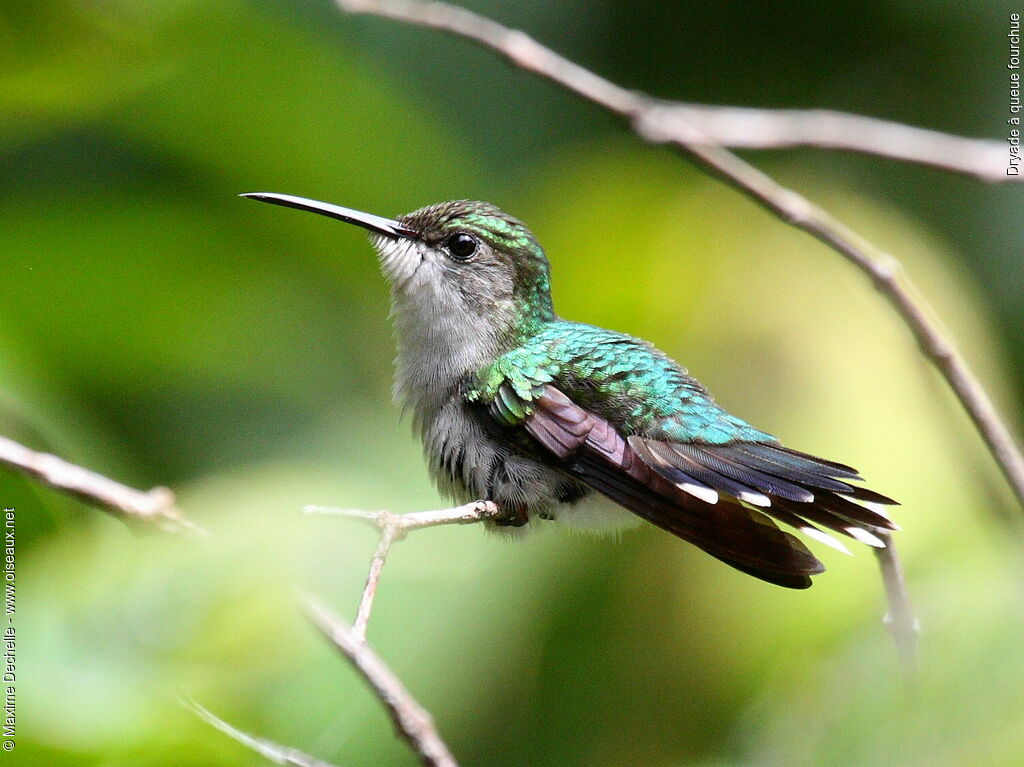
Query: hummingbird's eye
{"x":461,"y":246}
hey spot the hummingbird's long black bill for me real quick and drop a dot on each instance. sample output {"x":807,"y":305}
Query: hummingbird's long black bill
{"x":378,"y":224}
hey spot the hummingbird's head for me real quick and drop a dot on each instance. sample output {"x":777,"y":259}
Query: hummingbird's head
{"x":459,"y":261}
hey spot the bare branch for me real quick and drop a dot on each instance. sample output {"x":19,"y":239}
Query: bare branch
{"x":706,"y":124}
{"x":900,"y":620}
{"x":749,"y":128}
{"x":467,"y":514}
{"x":275,"y":752}
{"x":393,"y":527}
{"x":126,"y":503}
{"x":648,"y":120}
{"x":412,"y":721}
{"x":388,"y":534}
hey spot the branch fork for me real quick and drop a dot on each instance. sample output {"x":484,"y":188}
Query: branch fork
{"x":394,"y":527}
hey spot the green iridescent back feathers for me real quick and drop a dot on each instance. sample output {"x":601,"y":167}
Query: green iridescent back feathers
{"x":621,"y":378}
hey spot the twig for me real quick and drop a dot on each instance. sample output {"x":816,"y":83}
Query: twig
{"x":467,"y":514}
{"x":394,"y":527}
{"x":275,"y":752}
{"x":750,"y":128}
{"x":649,"y":120}
{"x":388,"y":534}
{"x":900,"y":620}
{"x":708,"y":124}
{"x":412,"y":721}
{"x":126,"y":503}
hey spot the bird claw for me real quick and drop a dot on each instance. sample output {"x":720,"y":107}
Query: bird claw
{"x":516,"y":517}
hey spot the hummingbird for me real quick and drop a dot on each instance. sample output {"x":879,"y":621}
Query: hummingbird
{"x":552,"y":419}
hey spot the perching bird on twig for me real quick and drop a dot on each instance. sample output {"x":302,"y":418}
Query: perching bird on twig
{"x":550,"y":418}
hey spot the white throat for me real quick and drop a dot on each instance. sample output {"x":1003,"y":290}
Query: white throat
{"x":440,"y":339}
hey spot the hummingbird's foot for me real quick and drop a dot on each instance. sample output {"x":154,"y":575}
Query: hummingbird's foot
{"x":515,"y":517}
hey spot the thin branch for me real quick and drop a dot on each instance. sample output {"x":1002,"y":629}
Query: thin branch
{"x":648,"y":120}
{"x":411,"y":720}
{"x":126,"y":503}
{"x":900,"y":620}
{"x":387,"y":537}
{"x":394,"y":527}
{"x":713,"y":125}
{"x":275,"y":752}
{"x":467,"y":514}
{"x":750,"y":128}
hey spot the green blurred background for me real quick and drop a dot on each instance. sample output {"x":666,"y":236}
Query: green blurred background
{"x":159,"y":329}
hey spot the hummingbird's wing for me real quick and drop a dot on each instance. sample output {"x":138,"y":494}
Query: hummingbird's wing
{"x":626,"y":420}
{"x":589,"y":448}
{"x":795,"y":488}
{"x":704,"y":493}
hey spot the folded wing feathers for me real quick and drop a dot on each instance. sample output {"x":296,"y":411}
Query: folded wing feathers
{"x":726,"y":531}
{"x":807,"y":474}
{"x":688,"y":489}
{"x":597,"y":454}
{"x":807,"y":528}
{"x":790,"y":457}
{"x":745,"y":473}
{"x":677,"y":467}
{"x":781,"y":474}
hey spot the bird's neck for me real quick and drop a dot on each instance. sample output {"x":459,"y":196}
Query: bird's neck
{"x":438,"y":349}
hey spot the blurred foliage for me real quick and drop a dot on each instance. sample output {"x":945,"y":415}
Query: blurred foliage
{"x":156,"y":328}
